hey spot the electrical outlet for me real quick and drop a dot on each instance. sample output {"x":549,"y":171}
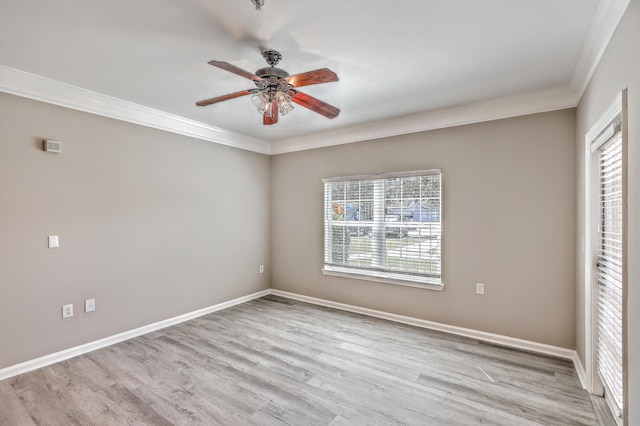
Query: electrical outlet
{"x":479,"y":288}
{"x":67,"y":311}
{"x":261,"y":269}
{"x":90,"y":305}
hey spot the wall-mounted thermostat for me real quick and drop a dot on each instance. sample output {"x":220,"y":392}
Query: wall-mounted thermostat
{"x":52,"y":146}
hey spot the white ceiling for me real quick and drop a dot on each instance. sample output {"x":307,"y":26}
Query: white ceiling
{"x":394,"y":59}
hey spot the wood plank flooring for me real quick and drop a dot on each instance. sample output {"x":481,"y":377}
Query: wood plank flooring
{"x":273,"y":361}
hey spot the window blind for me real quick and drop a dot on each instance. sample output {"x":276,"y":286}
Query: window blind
{"x":609,"y":295}
{"x":387,"y":223}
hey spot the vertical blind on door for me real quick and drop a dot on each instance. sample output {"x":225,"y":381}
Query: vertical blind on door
{"x":610,"y":268}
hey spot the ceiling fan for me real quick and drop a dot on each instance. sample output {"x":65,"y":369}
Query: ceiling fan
{"x":276,"y":90}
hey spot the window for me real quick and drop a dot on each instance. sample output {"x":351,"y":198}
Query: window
{"x":385,"y":227}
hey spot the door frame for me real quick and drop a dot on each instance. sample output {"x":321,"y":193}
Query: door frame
{"x":592,"y":382}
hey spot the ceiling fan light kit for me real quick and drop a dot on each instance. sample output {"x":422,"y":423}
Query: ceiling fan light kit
{"x":275,"y":90}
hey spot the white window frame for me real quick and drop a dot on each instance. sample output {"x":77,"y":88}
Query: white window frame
{"x":378,"y":229}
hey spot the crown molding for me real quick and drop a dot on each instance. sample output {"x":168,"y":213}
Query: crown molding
{"x":54,"y":92}
{"x":42,"y":89}
{"x":512,"y":106}
{"x":606,"y":20}
{"x":604,"y":24}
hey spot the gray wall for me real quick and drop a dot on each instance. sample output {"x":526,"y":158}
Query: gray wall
{"x":619,"y":68}
{"x":509,"y":222}
{"x":151,"y":224}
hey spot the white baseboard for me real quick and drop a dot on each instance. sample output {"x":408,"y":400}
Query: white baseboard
{"x":582,"y":373}
{"x":497,"y":339}
{"x":34,"y":364}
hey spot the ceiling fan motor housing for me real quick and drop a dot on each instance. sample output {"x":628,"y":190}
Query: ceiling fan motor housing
{"x":272,"y":78}
{"x":271,"y":72}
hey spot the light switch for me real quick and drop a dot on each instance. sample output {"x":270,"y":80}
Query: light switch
{"x":53,"y":241}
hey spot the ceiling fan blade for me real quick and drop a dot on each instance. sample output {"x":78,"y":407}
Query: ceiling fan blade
{"x":232,"y":68}
{"x":316,"y":105}
{"x":223,"y":98}
{"x":274,"y":115}
{"x":324,"y":75}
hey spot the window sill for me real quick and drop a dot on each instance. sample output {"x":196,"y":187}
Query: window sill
{"x":386,"y":277}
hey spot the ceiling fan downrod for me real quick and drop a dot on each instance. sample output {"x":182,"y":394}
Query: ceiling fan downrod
{"x":258,"y":4}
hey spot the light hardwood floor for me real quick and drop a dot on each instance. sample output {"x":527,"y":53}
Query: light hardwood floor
{"x":273,"y":361}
